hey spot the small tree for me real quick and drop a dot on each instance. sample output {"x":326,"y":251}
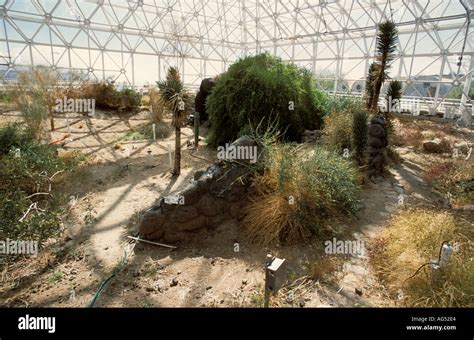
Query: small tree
{"x":176,"y":99}
{"x":386,"y":47}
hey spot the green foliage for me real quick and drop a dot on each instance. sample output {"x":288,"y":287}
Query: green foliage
{"x":300,"y":194}
{"x":333,"y":179}
{"x":337,"y":131}
{"x":456,"y":93}
{"x":386,"y":47}
{"x":369,"y":86}
{"x":175,"y":97}
{"x":34,"y":97}
{"x":27,"y":168}
{"x":394,"y":91}
{"x":343,"y":103}
{"x":5,"y":96}
{"x":360,"y":120}
{"x":260,"y":88}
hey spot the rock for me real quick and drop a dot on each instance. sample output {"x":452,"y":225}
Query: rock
{"x":186,"y":213}
{"x":244,"y":281}
{"x":194,"y":224}
{"x":208,"y":287}
{"x":151,"y":221}
{"x":198,"y":174}
{"x":213,"y":197}
{"x":462,"y":147}
{"x":358,"y":291}
{"x":174,"y":282}
{"x":205,"y":89}
{"x":208,"y":206}
{"x":436,"y":146}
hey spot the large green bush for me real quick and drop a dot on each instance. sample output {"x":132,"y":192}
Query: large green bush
{"x":263,"y":88}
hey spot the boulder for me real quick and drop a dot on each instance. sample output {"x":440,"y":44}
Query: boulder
{"x":436,"y":145}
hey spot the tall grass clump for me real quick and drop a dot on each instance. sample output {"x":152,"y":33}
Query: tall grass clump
{"x":298,"y":195}
{"x":35,"y":94}
{"x":414,"y":238}
{"x":263,"y":87}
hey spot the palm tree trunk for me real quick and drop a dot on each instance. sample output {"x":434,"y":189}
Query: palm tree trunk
{"x":177,"y":151}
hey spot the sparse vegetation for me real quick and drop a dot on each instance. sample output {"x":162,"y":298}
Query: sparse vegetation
{"x":28,"y":210}
{"x":414,"y":238}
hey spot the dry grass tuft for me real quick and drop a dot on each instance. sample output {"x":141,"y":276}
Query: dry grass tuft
{"x":413,"y":239}
{"x":299,"y":194}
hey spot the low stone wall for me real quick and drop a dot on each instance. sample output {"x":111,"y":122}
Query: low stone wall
{"x":215,"y":195}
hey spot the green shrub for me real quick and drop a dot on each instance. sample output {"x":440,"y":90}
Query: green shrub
{"x":343,"y":103}
{"x":298,"y":195}
{"x":24,"y":173}
{"x":360,"y":120}
{"x":337,"y":131}
{"x":263,"y":88}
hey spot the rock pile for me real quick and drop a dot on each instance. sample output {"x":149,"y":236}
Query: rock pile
{"x":215,"y":195}
{"x":378,"y":141}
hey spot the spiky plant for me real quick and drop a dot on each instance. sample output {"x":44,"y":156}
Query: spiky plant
{"x":176,"y":99}
{"x":360,"y":129}
{"x":369,"y":87}
{"x":394,"y":94}
{"x":386,"y":47}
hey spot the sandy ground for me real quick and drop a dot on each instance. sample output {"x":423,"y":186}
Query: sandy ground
{"x":121,"y":179}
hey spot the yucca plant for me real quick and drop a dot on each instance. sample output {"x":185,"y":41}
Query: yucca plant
{"x":394,"y":94}
{"x":386,"y":47}
{"x":360,"y":128}
{"x":176,"y":99}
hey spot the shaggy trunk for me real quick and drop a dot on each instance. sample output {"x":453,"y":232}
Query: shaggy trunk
{"x":378,"y":85}
{"x":177,"y":151}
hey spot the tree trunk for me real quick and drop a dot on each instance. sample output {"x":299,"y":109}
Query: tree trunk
{"x":177,"y":151}
{"x":378,"y":86}
{"x":51,"y":118}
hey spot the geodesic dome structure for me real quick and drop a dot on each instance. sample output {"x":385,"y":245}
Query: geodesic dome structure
{"x":133,"y":42}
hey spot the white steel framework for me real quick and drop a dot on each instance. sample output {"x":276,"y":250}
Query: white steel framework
{"x":133,"y":42}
